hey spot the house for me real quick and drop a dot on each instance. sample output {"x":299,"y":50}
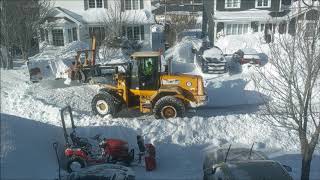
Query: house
{"x":181,"y":17}
{"x":73,"y":20}
{"x":176,"y":7}
{"x":232,"y":17}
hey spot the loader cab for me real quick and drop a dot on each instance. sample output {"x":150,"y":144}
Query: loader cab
{"x":145,"y":71}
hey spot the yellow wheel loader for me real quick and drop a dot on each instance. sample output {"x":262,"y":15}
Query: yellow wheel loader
{"x":143,"y":86}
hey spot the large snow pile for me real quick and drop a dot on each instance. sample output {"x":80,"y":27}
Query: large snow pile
{"x":183,"y":60}
{"x":231,"y":43}
{"x":53,"y":61}
{"x":109,"y":55}
{"x":212,"y":53}
{"x":182,"y":51}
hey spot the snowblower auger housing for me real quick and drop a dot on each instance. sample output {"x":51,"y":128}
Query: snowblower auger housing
{"x":145,"y":87}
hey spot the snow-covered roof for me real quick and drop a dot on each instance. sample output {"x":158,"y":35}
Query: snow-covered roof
{"x":102,"y":15}
{"x":92,"y":16}
{"x":59,"y":12}
{"x":72,"y":15}
{"x":252,"y":14}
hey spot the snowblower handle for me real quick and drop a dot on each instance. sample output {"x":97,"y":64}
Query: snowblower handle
{"x":63,"y":121}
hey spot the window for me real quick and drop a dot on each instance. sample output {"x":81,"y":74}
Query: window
{"x":42,"y":35}
{"x":99,"y":3}
{"x":46,"y":35}
{"x":95,"y":3}
{"x":133,"y":4}
{"x":240,"y":29}
{"x":232,"y":29}
{"x":310,"y":29}
{"x":92,"y":3}
{"x":129,"y":33}
{"x":70,"y":35}
{"x":75,"y":34}
{"x":263,"y":3}
{"x":57,"y":37}
{"x":134,"y":33}
{"x":262,"y":27}
{"x":232,"y":3}
{"x":99,"y":32}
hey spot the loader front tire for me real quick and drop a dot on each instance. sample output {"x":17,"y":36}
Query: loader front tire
{"x":169,"y":107}
{"x":104,"y":104}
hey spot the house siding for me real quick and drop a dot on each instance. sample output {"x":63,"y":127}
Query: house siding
{"x":79,"y":6}
{"x":246,"y":5}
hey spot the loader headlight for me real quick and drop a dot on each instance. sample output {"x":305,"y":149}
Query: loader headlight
{"x":189,"y":83}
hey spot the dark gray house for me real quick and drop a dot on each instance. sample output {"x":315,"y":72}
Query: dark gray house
{"x":232,"y":17}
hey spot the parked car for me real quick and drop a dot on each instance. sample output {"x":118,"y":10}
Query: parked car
{"x":242,"y":163}
{"x":103,"y":171}
{"x":213,"y":61}
{"x":247,"y":55}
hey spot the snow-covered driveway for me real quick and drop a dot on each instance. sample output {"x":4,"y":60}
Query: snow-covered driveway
{"x":30,"y":116}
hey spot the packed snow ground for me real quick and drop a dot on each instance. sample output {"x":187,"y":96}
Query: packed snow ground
{"x":30,"y":123}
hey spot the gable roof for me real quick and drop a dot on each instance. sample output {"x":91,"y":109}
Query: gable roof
{"x":61,"y":13}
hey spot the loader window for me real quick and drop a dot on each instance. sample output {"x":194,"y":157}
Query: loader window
{"x":134,"y":83}
{"x":148,"y":73}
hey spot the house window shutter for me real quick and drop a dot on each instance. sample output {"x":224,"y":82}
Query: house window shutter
{"x":142,"y":32}
{"x":122,"y":5}
{"x":141,"y":4}
{"x":105,"y":2}
{"x":86,"y":3}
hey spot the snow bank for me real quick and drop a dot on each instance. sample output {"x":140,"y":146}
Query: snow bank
{"x":180,"y":142}
{"x":212,"y":53}
{"x":109,"y":55}
{"x":231,"y":43}
{"x":182,"y":51}
{"x":183,"y":60}
{"x":54,"y":61}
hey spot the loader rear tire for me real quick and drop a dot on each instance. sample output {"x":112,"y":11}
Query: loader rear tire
{"x":103,"y":104}
{"x":169,"y":107}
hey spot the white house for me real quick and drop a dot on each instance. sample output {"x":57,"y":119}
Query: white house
{"x":73,"y":20}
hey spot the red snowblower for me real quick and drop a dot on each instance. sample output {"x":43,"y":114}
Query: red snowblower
{"x":81,"y":153}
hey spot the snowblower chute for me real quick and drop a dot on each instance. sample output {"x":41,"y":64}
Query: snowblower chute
{"x":81,"y":153}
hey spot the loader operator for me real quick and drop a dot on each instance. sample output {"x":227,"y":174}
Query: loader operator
{"x":148,"y":69}
{"x":147,"y":73}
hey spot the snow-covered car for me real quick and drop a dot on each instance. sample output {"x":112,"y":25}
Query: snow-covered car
{"x":242,"y":163}
{"x":213,"y":61}
{"x":103,"y":171}
{"x":249,"y":169}
{"x":247,"y":55}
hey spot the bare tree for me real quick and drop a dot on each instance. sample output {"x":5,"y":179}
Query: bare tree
{"x":179,"y":23}
{"x":20,"y":22}
{"x":292,"y":84}
{"x":115,"y":22}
